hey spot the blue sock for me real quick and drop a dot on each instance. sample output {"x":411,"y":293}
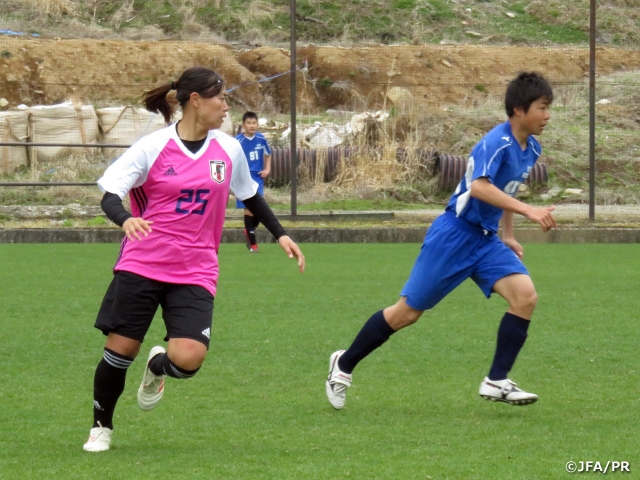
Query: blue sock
{"x":373,"y":333}
{"x":512,"y":334}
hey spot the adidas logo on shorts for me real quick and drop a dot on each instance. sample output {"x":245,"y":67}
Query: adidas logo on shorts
{"x":207,"y":333}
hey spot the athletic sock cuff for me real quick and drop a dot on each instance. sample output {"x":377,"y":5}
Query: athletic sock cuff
{"x":116,"y":360}
{"x":172,"y":370}
{"x":381,"y":324}
{"x":521,"y":324}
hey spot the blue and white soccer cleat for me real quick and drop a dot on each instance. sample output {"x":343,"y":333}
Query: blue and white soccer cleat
{"x":337,"y":382}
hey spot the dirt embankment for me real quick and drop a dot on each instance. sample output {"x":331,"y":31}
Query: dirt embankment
{"x":47,"y":71}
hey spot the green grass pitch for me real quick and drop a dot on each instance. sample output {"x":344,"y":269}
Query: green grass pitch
{"x":257,"y":408}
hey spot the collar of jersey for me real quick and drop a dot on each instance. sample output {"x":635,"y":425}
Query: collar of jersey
{"x":185,"y":150}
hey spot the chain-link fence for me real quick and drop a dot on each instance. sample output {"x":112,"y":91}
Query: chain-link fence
{"x":372,"y":121}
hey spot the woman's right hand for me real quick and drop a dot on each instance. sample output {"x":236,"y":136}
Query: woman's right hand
{"x":135,"y":225}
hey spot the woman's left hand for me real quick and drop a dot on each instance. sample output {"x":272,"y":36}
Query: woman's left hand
{"x":292,"y":250}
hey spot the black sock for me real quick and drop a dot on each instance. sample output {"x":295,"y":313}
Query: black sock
{"x":162,"y":365}
{"x":108,"y":385}
{"x":250,"y":228}
{"x":512,"y":334}
{"x":256,"y":222}
{"x":373,"y":333}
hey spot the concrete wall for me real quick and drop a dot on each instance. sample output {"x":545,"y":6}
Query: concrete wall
{"x":323,"y":235}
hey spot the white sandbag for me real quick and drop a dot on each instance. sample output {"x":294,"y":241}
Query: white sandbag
{"x":322,"y":135}
{"x":363,"y":121}
{"x":62,"y":123}
{"x":14,"y":127}
{"x":126,"y":125}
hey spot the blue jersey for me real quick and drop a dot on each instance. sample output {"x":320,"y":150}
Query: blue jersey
{"x":255,"y":149}
{"x":499,"y":158}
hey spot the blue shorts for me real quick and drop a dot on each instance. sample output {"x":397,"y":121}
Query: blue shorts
{"x":454,"y":250}
{"x":258,"y":179}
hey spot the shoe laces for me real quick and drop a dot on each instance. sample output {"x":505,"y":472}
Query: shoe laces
{"x":97,"y":433}
{"x":510,"y":387}
{"x":151,"y":379}
{"x":339,"y":389}
{"x":155,"y":384}
{"x":513,"y":387}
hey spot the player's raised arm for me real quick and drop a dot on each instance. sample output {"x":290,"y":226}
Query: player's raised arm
{"x":542,"y":216}
{"x":484,"y":190}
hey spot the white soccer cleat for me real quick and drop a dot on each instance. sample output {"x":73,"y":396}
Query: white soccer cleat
{"x":337,"y":382}
{"x":152,"y":386}
{"x":505,"y":391}
{"x":99,"y":439}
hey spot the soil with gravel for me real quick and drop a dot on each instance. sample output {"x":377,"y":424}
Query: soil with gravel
{"x":39,"y":71}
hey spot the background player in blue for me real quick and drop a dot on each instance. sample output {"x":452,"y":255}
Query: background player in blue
{"x":463,"y":243}
{"x":256,"y":149}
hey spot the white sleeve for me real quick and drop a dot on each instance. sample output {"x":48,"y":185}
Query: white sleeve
{"x":242,"y":185}
{"x":131,"y":169}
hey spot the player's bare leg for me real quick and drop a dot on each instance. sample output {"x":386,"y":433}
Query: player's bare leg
{"x":401,"y":315}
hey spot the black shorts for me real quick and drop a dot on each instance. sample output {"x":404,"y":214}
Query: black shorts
{"x":131,"y":302}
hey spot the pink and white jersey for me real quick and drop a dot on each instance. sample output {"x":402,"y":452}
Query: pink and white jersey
{"x":185,"y":195}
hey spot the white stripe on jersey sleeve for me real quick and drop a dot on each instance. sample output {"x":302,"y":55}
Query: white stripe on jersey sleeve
{"x":487,"y":165}
{"x":267,"y":147}
{"x":535,"y":146}
{"x":131,"y":169}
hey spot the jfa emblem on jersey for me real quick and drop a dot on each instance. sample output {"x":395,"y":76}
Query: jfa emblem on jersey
{"x":218,"y":169}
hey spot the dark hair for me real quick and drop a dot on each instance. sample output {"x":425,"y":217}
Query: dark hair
{"x":249,"y":115}
{"x":525,"y":89}
{"x":201,"y":80}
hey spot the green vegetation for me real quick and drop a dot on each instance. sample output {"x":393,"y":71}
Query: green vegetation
{"x":325,"y":83}
{"x":527,"y":29}
{"x":359,"y":204}
{"x":98,"y":221}
{"x":425,"y":21}
{"x":257,"y":409}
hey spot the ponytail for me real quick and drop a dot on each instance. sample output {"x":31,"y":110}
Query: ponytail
{"x":156,"y":101}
